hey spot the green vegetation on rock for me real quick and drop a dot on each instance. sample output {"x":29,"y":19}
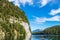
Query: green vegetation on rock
{"x":10,"y":18}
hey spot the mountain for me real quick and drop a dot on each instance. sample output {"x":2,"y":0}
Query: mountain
{"x":14,"y":24}
{"x":54,"y":30}
{"x":37,"y":30}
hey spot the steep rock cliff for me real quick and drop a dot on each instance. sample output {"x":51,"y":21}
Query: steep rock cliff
{"x":13,"y":22}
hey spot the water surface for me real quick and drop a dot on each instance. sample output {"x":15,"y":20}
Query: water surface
{"x":45,"y":37}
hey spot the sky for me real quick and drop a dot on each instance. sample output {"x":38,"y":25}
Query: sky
{"x":40,"y":13}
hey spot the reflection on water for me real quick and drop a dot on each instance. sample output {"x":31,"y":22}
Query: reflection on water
{"x":34,"y":37}
{"x":12,"y":37}
{"x":45,"y":37}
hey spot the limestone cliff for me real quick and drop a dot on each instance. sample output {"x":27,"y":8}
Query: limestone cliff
{"x":13,"y":22}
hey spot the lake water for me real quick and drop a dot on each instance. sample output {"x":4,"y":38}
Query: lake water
{"x":34,"y":37}
{"x":45,"y":37}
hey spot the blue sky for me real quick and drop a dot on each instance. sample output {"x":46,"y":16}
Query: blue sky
{"x":40,"y":13}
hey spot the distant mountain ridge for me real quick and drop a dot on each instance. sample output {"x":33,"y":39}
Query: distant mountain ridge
{"x":37,"y":30}
{"x":54,"y":30}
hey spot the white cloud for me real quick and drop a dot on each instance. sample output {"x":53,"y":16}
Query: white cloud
{"x":40,"y":3}
{"x":54,"y":12}
{"x":11,"y":0}
{"x":44,"y":2}
{"x":44,"y":19}
{"x":18,"y":2}
{"x":40,"y":20}
{"x":55,"y":18}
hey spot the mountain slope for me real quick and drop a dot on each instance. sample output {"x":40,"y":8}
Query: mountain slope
{"x":13,"y":22}
{"x":37,"y":30}
{"x":54,"y":30}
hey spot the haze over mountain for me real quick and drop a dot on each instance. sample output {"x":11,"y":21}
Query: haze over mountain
{"x":37,"y":30}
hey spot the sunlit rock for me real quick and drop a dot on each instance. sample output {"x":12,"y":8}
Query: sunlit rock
{"x":13,"y":22}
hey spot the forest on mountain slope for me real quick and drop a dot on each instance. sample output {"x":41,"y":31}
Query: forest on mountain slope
{"x":54,"y":30}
